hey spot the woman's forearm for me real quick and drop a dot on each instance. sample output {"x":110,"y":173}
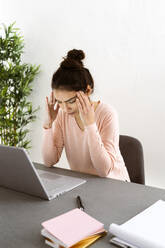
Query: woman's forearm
{"x":103,"y":160}
{"x":50,"y":152}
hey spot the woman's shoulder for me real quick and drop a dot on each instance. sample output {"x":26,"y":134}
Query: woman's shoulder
{"x":106,"y":109}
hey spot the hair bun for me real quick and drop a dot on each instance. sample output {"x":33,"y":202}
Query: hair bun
{"x":73,"y":60}
{"x":76,"y":54}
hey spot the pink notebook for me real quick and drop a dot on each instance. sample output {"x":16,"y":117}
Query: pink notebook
{"x":72,"y":226}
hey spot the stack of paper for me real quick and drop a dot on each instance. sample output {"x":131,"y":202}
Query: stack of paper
{"x":72,"y":229}
{"x":145,"y":230}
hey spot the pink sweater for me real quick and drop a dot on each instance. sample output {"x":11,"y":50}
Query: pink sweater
{"x":94,"y":150}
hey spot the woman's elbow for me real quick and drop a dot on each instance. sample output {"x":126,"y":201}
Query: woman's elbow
{"x":49,"y":163}
{"x":104,"y":173}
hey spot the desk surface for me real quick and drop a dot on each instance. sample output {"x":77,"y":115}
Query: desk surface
{"x":105,"y":199}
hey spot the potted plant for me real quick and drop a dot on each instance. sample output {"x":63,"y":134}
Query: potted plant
{"x":16,"y":81}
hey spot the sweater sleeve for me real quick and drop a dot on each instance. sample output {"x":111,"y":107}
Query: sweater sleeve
{"x":52,"y":144}
{"x":103,"y":143}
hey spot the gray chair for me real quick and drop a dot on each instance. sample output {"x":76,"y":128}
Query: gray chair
{"x":132,"y":152}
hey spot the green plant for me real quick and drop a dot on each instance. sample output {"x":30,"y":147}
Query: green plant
{"x":16,"y":78}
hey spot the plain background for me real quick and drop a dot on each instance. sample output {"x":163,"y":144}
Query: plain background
{"x":124,"y":43}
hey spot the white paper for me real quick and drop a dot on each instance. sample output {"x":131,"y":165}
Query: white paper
{"x":52,"y":244}
{"x":121,"y":243}
{"x":145,"y":230}
{"x":46,"y":234}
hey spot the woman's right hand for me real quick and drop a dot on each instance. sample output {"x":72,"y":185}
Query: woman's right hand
{"x":51,"y":111}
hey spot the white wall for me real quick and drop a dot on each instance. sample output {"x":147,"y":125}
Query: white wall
{"x":124,"y":42}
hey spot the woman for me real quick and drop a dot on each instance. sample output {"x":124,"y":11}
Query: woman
{"x":88,"y":130}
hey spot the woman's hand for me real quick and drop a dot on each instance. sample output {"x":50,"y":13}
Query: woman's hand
{"x":86,"y":108}
{"x":51,"y":111}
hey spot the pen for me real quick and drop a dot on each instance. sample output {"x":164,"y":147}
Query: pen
{"x":79,"y":203}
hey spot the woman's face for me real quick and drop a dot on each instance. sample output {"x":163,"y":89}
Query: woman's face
{"x":66,"y":100}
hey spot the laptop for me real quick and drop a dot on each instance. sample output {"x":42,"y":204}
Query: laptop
{"x":17,"y":172}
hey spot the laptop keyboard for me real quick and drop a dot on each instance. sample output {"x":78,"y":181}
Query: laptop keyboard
{"x":52,"y":181}
{"x":57,"y":184}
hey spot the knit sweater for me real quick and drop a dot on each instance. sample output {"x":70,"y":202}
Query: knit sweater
{"x":94,"y":150}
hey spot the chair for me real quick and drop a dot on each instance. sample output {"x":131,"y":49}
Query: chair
{"x":132,"y":152}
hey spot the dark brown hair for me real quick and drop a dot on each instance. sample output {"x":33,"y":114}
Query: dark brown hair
{"x":72,"y":75}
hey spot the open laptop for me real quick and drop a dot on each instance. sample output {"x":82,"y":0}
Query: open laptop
{"x":17,"y":172}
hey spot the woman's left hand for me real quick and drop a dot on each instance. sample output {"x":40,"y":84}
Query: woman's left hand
{"x":86,"y":108}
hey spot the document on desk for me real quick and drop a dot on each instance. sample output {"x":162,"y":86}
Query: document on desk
{"x":145,"y":230}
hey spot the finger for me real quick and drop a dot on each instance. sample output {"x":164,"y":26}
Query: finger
{"x":57,"y":107}
{"x":85,"y":101}
{"x":83,"y":97}
{"x":82,"y":102}
{"x":47,"y":102}
{"x":54,"y":99}
{"x":88,"y":102}
{"x":51,"y":98}
{"x":79,"y":105}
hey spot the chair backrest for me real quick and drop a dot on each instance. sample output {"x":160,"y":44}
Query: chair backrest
{"x":132,"y":152}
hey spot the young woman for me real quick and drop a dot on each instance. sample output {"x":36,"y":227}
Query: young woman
{"x":88,"y":130}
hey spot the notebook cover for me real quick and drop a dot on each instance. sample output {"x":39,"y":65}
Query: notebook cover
{"x":73,"y":226}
